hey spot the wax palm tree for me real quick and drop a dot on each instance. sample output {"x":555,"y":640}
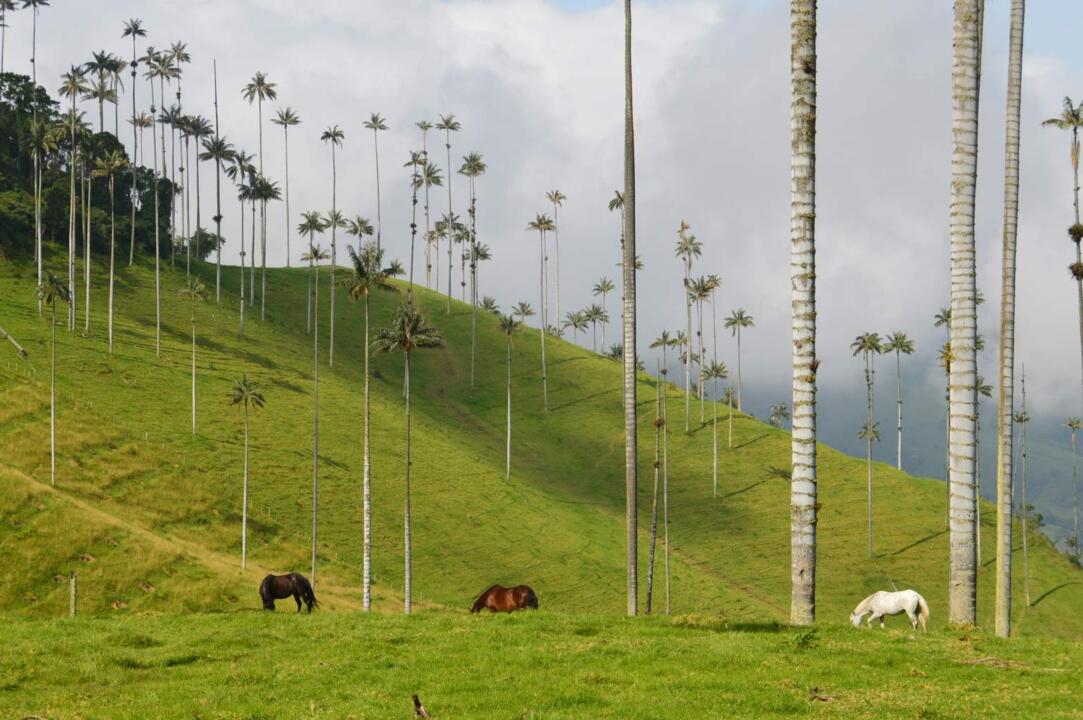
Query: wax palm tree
{"x":868,"y":346}
{"x":408,"y":332}
{"x":688,"y":249}
{"x":658,"y":424}
{"x":72,"y":85}
{"x":367,"y":275}
{"x":1074,"y":424}
{"x":431,"y":176}
{"x":557,"y":198}
{"x":311,"y":223}
{"x":578,"y":322}
{"x":333,"y":136}
{"x":256,"y":91}
{"x":665,"y":341}
{"x":962,"y":596}
{"x":509,"y":326}
{"x":245,"y":394}
{"x":416,"y":161}
{"x":899,"y":343}
{"x":200,"y":128}
{"x":264,"y":191}
{"x":616,"y":203}
{"x":523,"y":310}
{"x":117,"y":65}
{"x":178,"y":56}
{"x":49,"y":293}
{"x":359,"y":228}
{"x":35,"y":5}
{"x":702,"y":288}
{"x":595,"y":314}
{"x":1005,"y":410}
{"x":542,"y":224}
{"x":376,"y":123}
{"x":737,"y":321}
{"x":1022,"y":419}
{"x":489,"y":304}
{"x":983,"y":389}
{"x":803,"y":501}
{"x":603,"y":287}
{"x":287,"y":118}
{"x":239,"y":171}
{"x":780,"y":413}
{"x":109,"y":166}
{"x":714,"y":372}
{"x":101,"y":90}
{"x":473,"y":167}
{"x":6,"y":6}
{"x":314,"y":256}
{"x":142,"y":121}
{"x":222,"y":152}
{"x":194,"y":292}
{"x":173,"y":117}
{"x":1071,"y":120}
{"x":133,"y":28}
{"x":448,"y":124}
{"x":158,"y":66}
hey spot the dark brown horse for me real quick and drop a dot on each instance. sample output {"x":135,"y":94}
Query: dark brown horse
{"x":279,"y":587}
{"x":501,"y":599}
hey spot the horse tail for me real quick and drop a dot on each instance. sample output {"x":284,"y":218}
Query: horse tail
{"x":265,"y":594}
{"x":923,"y":610}
{"x":306,"y":592}
{"x":479,"y":604}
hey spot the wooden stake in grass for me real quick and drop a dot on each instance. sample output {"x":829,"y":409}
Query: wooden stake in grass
{"x":74,"y":597}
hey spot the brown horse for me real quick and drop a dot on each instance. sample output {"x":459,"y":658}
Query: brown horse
{"x":279,"y":587}
{"x":501,"y":599}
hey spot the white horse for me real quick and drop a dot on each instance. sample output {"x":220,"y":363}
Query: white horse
{"x":881,"y":603}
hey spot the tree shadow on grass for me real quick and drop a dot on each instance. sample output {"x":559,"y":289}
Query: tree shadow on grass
{"x":1050,"y":591}
{"x":744,"y":489}
{"x":914,"y":544}
{"x":756,"y":439}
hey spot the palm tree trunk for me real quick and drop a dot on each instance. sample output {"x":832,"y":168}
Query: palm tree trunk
{"x":71,"y":224}
{"x":217,"y":194}
{"x":193,"y":367}
{"x":242,"y":268}
{"x":629,"y":323}
{"x":157,"y":250}
{"x":135,"y":153}
{"x":450,"y":229}
{"x":702,"y":361}
{"x":1023,"y":494}
{"x":379,"y":217}
{"x":545,"y":379}
{"x":334,"y":259}
{"x":556,"y":245}
{"x":898,"y":411}
{"x":688,"y":339}
{"x":252,"y":262}
{"x":286,"y":134}
{"x":173,"y":198}
{"x":473,"y":288}
{"x":665,"y":478}
{"x":315,"y":416}
{"x":112,"y":254}
{"x":1075,"y":492}
{"x":729,"y":411}
{"x":803,"y":273}
{"x":714,"y":439}
{"x":367,"y":559}
{"x":507,"y":459}
{"x":868,"y":441}
{"x":244,"y":496}
{"x":52,"y":396}
{"x":962,"y":595}
{"x":408,"y":578}
{"x":654,"y":496}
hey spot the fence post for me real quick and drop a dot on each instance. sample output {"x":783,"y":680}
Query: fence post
{"x":74,"y":594}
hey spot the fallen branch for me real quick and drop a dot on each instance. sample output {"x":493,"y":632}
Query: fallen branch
{"x":419,"y":709}
{"x":13,"y":341}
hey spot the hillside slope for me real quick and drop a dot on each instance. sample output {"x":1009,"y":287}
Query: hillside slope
{"x":156,"y":509}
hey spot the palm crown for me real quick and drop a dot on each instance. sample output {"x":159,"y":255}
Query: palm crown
{"x":259,"y":89}
{"x":368,"y":272}
{"x":898,"y":342}
{"x":739,"y":319}
{"x":867,"y":344}
{"x":408,"y":332}
{"x":376,"y":122}
{"x":286,"y":117}
{"x":246,"y":394}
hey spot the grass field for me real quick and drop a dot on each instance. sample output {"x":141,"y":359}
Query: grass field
{"x":149,"y":513}
{"x":528,"y":665}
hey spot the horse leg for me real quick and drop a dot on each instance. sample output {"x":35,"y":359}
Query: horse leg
{"x":297,"y":599}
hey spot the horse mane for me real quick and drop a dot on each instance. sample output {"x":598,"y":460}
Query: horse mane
{"x":864,"y":604}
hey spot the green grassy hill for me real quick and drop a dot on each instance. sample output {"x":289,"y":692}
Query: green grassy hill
{"x":150,"y":513}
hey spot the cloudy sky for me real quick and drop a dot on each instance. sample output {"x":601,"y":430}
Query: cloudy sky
{"x":537,"y":86}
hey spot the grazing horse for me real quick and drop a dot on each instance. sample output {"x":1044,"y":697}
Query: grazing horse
{"x":501,"y":599}
{"x":879,"y":604}
{"x":279,"y":587}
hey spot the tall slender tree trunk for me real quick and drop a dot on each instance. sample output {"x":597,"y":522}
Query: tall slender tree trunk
{"x":665,"y":476}
{"x":86,"y":250}
{"x":379,"y":214}
{"x":507,"y":459}
{"x":334,"y":257}
{"x":1075,"y":493}
{"x":450,"y":228}
{"x":408,"y":577}
{"x":629,"y":322}
{"x":218,"y":197}
{"x":803,"y":282}
{"x":729,"y":412}
{"x":962,"y":589}
{"x":244,"y":497}
{"x":688,"y":340}
{"x":545,"y":378}
{"x":868,"y":442}
{"x":473,"y":287}
{"x":315,"y":412}
{"x":112,"y":253}
{"x":135,"y":154}
{"x":252,"y":262}
{"x":702,"y":362}
{"x":714,"y":440}
{"x":740,"y":407}
{"x":173,"y":198}
{"x":367,"y":560}
{"x":193,"y":367}
{"x":1023,"y":492}
{"x":157,"y":239}
{"x":898,"y":411}
{"x":71,"y":223}
{"x":556,"y":245}
{"x":654,"y":495}
{"x":52,"y":393}
{"x":37,"y":152}
{"x":286,"y":134}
